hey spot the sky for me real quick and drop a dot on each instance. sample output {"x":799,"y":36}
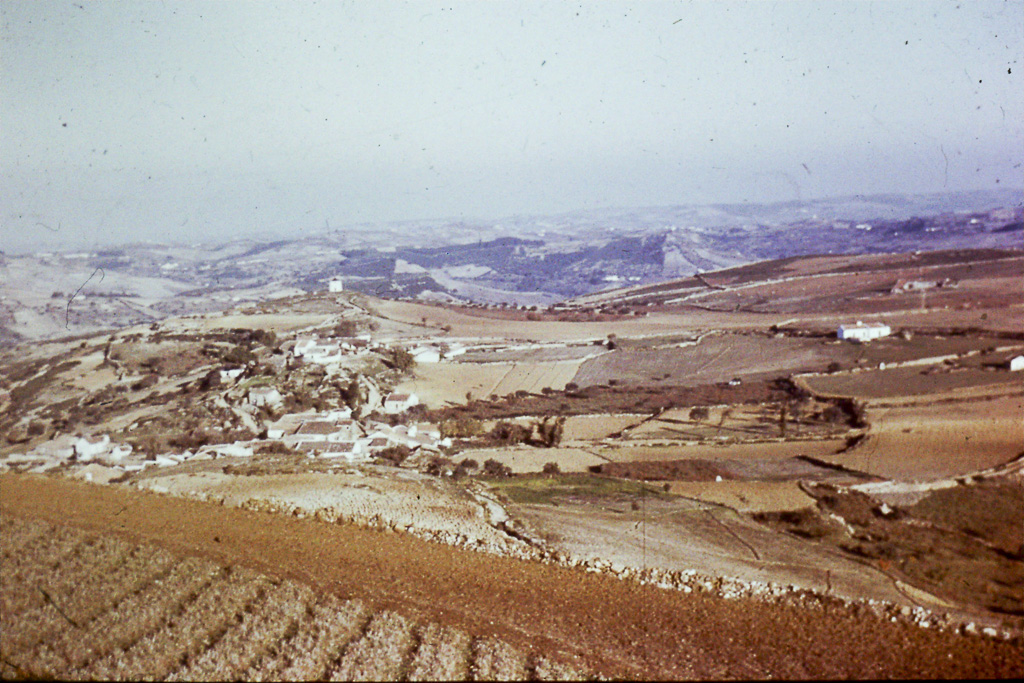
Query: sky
{"x":203,"y":121}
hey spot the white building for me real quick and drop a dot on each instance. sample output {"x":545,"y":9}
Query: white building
{"x":302,"y":344}
{"x":350,"y":450}
{"x":335,"y":284}
{"x":313,"y":351}
{"x":86,"y":448}
{"x":426,"y":354}
{"x":326,"y":430}
{"x":399,"y":403}
{"x":862,"y":332}
{"x":264,"y":396}
{"x":231,"y":373}
{"x":1016,"y":363}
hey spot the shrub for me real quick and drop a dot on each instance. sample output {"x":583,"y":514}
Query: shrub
{"x":192,"y":440}
{"x":460,"y":427}
{"x":438,"y":465}
{"x":493,"y":468}
{"x":699,"y":414}
{"x":274,"y":448}
{"x":550,"y":431}
{"x":239,"y":355}
{"x":510,"y":433}
{"x":395,"y":454}
{"x":551,"y":468}
{"x":399,"y":359}
{"x":346,"y":328}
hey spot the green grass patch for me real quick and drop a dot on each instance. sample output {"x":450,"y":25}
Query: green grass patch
{"x":546,"y":489}
{"x":262,"y":380}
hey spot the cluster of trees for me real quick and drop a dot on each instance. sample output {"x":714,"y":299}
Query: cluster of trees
{"x":399,"y":359}
{"x":460,"y":427}
{"x":545,"y":432}
{"x":346,"y":328}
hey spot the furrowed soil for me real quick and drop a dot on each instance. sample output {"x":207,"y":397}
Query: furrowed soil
{"x":518,"y":619}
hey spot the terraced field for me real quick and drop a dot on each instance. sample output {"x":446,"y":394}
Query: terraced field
{"x":86,"y":606}
{"x":106,"y":582}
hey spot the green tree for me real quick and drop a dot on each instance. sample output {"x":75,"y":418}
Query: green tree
{"x":550,"y":431}
{"x":699,"y":413}
{"x":493,"y":468}
{"x":352,"y":394}
{"x":511,"y":433}
{"x":400,"y":359}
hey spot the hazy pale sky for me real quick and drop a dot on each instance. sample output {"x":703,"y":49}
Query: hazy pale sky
{"x":125,"y":121}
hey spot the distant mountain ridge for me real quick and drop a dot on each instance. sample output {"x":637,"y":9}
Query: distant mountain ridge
{"x":535,"y":260}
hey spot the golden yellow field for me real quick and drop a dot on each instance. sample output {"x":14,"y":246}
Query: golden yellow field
{"x":531,"y":460}
{"x":770,"y":450}
{"x":593,"y":427}
{"x":925,"y":442}
{"x":762,"y":496}
{"x":437,"y":384}
{"x":282,"y":322}
{"x":463,"y":325}
{"x":908,"y":381}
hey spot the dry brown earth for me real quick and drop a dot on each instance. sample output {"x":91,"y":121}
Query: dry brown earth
{"x":617,"y":628}
{"x":927,"y":442}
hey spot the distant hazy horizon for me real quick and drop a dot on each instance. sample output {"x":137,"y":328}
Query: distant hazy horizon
{"x":201,"y":122}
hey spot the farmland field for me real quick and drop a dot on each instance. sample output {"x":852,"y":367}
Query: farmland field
{"x":762,"y":496}
{"x":764,"y":451}
{"x":82,"y":605}
{"x":465,"y":325}
{"x":532,"y":460}
{"x":907,"y":381}
{"x":593,"y":427}
{"x":714,"y":359}
{"x":925,"y":442}
{"x":439,"y":384}
{"x":413,"y":502}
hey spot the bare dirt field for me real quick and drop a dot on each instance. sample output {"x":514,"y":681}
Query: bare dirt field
{"x":927,"y":442}
{"x":764,"y":451}
{"x":594,"y":427}
{"x":719,"y":541}
{"x":271,"y":321}
{"x":717,"y":358}
{"x":410,"y":501}
{"x":532,"y":460}
{"x":743,"y":496}
{"x":594,"y":622}
{"x":464,"y":325}
{"x":732,"y":423}
{"x":441,"y":384}
{"x":907,"y":381}
{"x":83,"y":605}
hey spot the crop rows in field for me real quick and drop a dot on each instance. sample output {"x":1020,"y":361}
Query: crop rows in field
{"x":96,"y":607}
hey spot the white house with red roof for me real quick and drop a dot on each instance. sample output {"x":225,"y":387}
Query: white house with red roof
{"x":396,"y":403}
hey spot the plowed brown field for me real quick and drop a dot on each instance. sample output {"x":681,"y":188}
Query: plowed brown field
{"x":108,"y":582}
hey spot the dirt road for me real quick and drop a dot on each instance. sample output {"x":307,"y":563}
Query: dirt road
{"x":613,"y":627}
